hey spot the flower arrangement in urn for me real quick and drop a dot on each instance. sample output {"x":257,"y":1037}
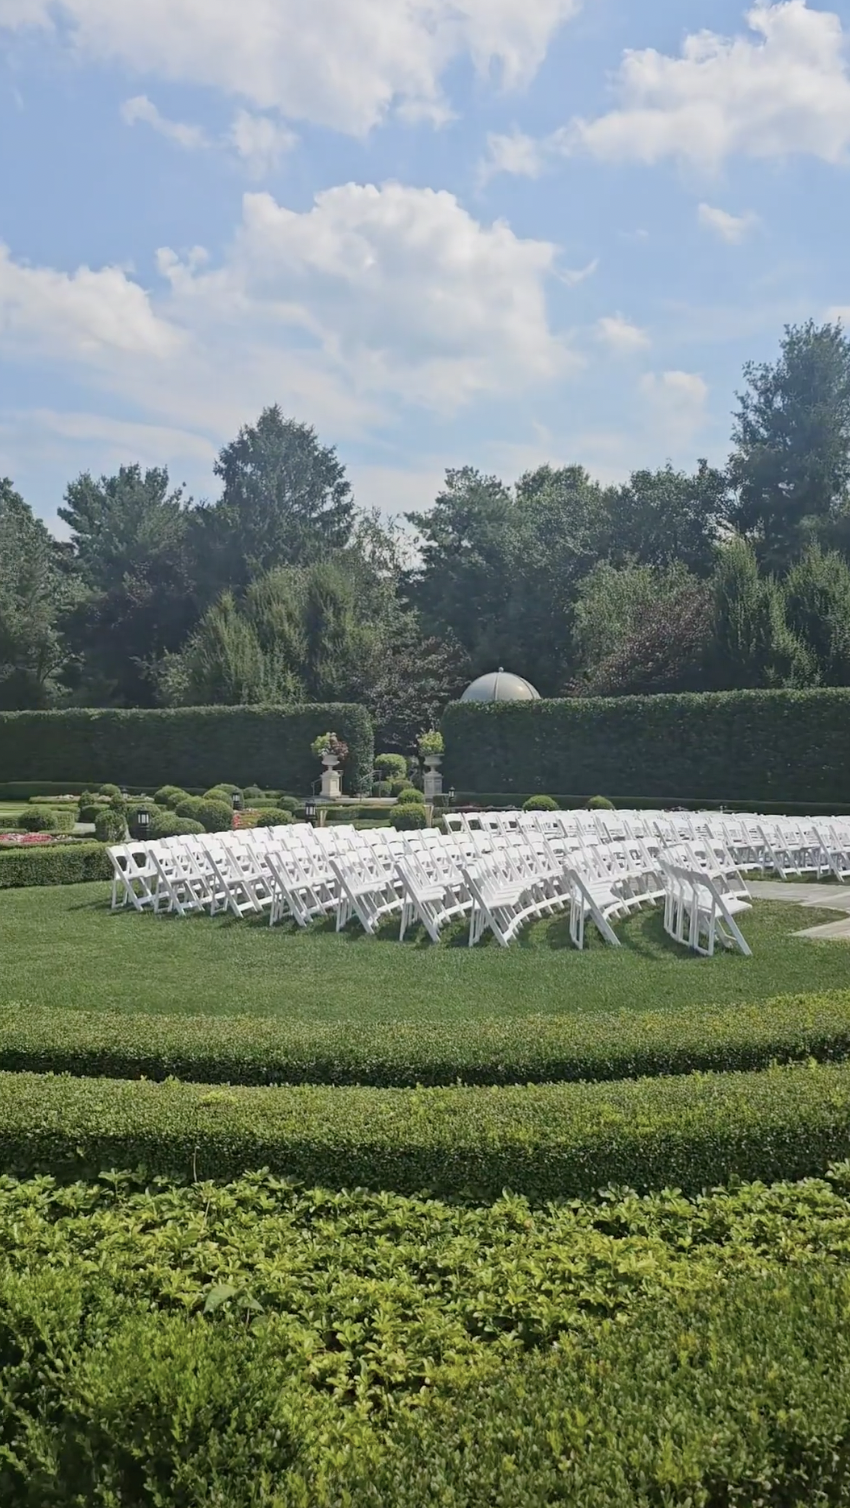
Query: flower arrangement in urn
{"x":431,"y":744}
{"x":330,"y":746}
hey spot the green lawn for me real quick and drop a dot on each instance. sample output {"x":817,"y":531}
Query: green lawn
{"x":62,"y":947}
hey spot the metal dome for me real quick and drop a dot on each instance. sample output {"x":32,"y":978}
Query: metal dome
{"x":500,"y":686}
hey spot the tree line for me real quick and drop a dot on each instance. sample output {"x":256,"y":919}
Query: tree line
{"x":284,"y":590}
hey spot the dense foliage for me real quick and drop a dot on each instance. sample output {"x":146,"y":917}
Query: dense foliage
{"x":741,"y":746}
{"x":66,"y":864}
{"x":279,"y":1348}
{"x":284,"y":590}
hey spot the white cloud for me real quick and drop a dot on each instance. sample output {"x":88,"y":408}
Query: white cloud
{"x":260,"y":141}
{"x":340,"y":63}
{"x":520,"y":155}
{"x":839,"y":312}
{"x":677,"y":402}
{"x":85,"y":315}
{"x":572,"y":276}
{"x":373,"y":299}
{"x":783,"y":91}
{"x":621,"y":335}
{"x":141,"y":108}
{"x":730,"y":228}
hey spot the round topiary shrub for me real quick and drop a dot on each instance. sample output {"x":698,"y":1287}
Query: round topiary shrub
{"x":412,"y":815}
{"x":382,"y":789}
{"x":540,"y":804}
{"x":223,"y":793}
{"x":109,"y":790}
{"x":169,"y":825}
{"x":110,"y":826}
{"x":391,"y":766}
{"x":47,"y":821}
{"x":410,"y":795}
{"x":89,"y":810}
{"x":600,"y":804}
{"x":256,"y":793}
{"x":169,"y":796}
{"x":189,"y":807}
{"x":214,"y":816}
{"x":269,"y":816}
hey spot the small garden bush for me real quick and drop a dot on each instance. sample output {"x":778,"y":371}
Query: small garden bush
{"x":410,"y":794}
{"x":169,"y":825}
{"x":189,"y":807}
{"x":222,"y":793}
{"x":270,"y":816}
{"x":67,"y":863}
{"x":170,"y":796}
{"x":409,"y":816}
{"x":110,"y":790}
{"x":600,"y":804}
{"x":44,"y":821}
{"x":214,"y":816}
{"x":89,"y":810}
{"x":382,"y":788}
{"x":391,"y":766}
{"x":110,"y":826}
{"x":540,"y":804}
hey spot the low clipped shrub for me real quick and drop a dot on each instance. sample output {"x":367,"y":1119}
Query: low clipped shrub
{"x":540,"y":804}
{"x":391,"y":766}
{"x":59,"y":864}
{"x":169,"y":796}
{"x":55,"y":801}
{"x":109,"y":790}
{"x":399,"y":783}
{"x":382,"y":788}
{"x":546,"y":1141}
{"x":409,"y":816}
{"x":189,"y":807}
{"x":169,"y":825}
{"x":222,"y":793}
{"x":269,"y":816}
{"x":256,"y":793}
{"x":110,"y":826}
{"x":409,"y":795}
{"x":45,"y":820}
{"x":600,"y":804}
{"x":89,"y":810}
{"x":253,"y":1050}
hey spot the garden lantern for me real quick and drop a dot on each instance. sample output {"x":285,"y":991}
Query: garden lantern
{"x":142,"y":822}
{"x":451,"y":795}
{"x":237,"y":801}
{"x":310,"y":809}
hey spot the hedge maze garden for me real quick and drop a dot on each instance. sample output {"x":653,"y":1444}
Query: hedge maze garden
{"x":305,"y":1219}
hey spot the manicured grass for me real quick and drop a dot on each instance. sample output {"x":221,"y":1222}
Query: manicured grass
{"x":62,"y":947}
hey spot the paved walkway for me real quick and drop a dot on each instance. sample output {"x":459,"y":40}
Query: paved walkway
{"x":822,"y":897}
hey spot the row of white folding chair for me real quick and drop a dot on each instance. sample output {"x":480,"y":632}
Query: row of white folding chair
{"x":696,"y":907}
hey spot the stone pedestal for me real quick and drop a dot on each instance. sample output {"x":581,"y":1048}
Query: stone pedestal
{"x":331,"y":778}
{"x":433,"y":780}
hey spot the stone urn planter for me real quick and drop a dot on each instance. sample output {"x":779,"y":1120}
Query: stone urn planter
{"x":331,"y":778}
{"x":431,"y":753}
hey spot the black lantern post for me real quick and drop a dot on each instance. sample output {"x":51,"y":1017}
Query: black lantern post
{"x":451,"y":795}
{"x":237,"y":801}
{"x":142,"y":822}
{"x":310,"y":809}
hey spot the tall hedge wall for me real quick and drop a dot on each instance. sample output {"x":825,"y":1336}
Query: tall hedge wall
{"x":730,"y":745}
{"x":193,"y":746}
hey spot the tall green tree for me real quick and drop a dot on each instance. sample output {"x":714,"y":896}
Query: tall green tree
{"x":129,"y":546}
{"x":285,"y":501}
{"x":753,"y":643}
{"x":663,"y":517}
{"x":817,"y":599}
{"x":791,"y":464}
{"x":33,"y":591}
{"x":612,"y":601}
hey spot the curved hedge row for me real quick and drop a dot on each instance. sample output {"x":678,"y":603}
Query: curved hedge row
{"x":257,"y":1050}
{"x":544,"y":1141}
{"x":189,"y":746}
{"x":742,"y":746}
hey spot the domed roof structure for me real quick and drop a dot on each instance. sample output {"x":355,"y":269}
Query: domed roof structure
{"x":500,"y":686}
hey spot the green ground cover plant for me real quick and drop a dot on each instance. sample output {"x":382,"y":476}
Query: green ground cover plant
{"x":253,"y":1050}
{"x":547,"y":1141}
{"x":62,"y":947}
{"x":275,"y":1346}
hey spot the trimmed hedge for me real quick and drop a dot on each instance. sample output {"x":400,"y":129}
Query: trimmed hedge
{"x":742,"y":746}
{"x":189,"y":746}
{"x":61,"y":864}
{"x":258,"y":1050}
{"x":543,"y":1141}
{"x":48,"y":820}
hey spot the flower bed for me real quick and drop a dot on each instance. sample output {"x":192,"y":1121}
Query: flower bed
{"x":28,"y":840}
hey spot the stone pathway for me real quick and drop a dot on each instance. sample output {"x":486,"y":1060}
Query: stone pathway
{"x":822,"y":897}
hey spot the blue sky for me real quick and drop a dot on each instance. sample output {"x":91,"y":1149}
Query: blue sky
{"x":442,"y":231}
